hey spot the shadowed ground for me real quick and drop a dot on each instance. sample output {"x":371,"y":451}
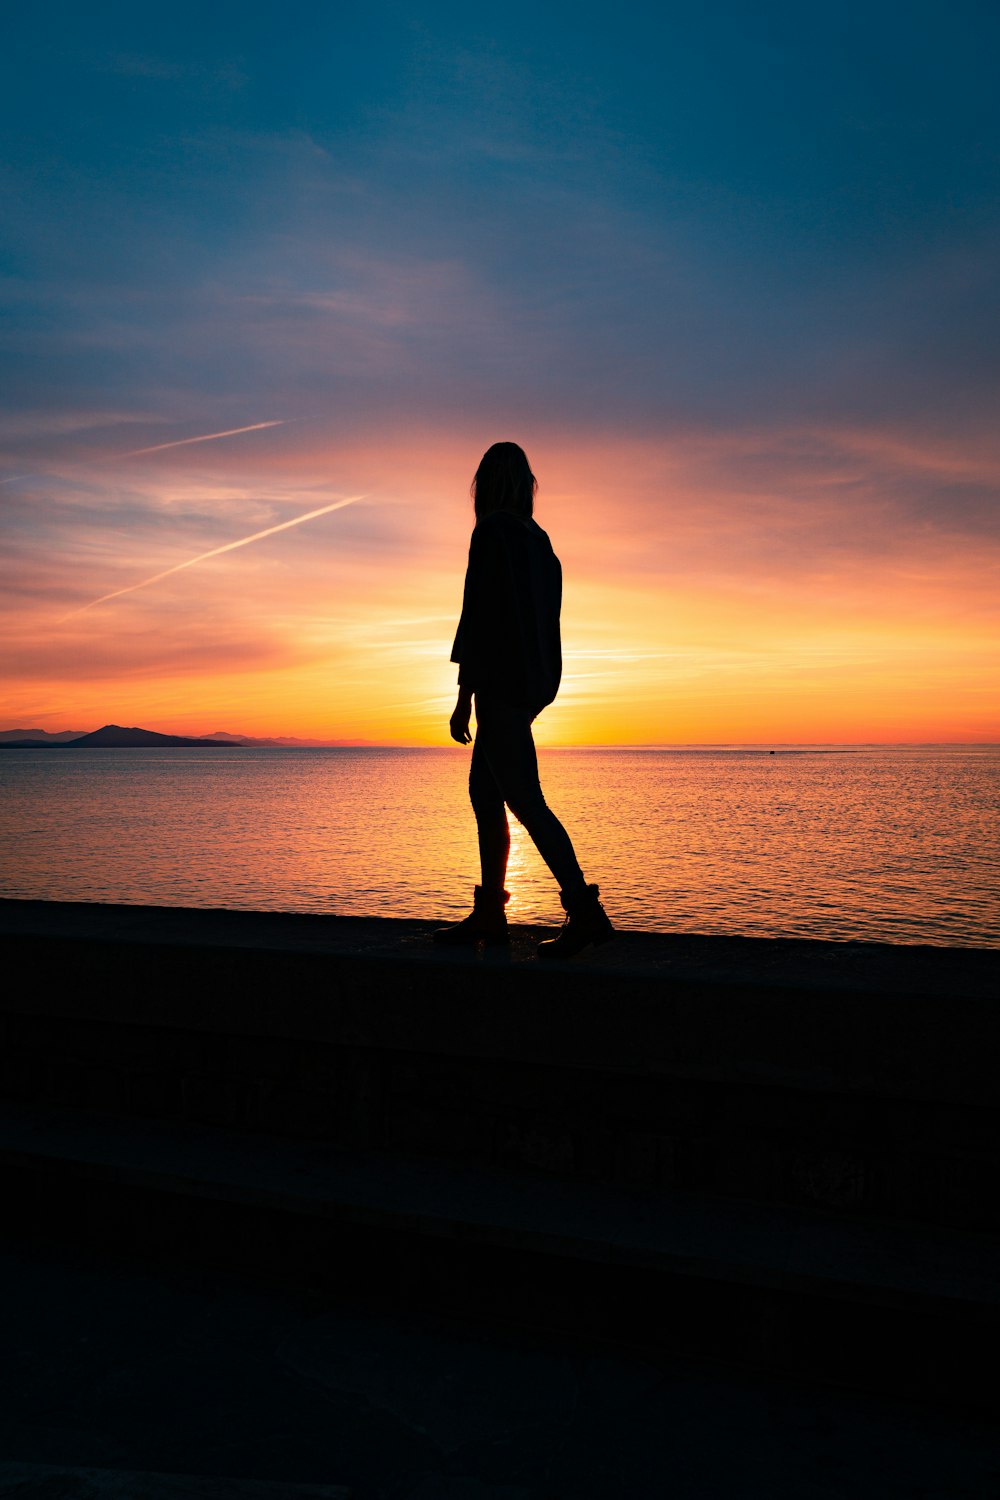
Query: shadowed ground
{"x":306,"y":1201}
{"x":123,"y":1368}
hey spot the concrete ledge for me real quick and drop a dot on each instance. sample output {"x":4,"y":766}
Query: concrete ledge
{"x":918,"y":1022}
{"x":756,"y":1245}
{"x":859,"y":1079}
{"x":720,"y":1143}
{"x":23,"y":1481}
{"x":873,"y":1306}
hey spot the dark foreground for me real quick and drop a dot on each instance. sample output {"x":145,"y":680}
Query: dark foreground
{"x":697,"y":1216}
{"x":168,"y":1384}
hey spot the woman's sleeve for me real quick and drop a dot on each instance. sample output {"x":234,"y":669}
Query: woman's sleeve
{"x":477,"y":627}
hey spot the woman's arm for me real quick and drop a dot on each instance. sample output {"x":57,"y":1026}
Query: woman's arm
{"x":477,"y":625}
{"x":459,"y":724}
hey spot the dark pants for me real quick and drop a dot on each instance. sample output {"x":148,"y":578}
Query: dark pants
{"x":504,"y":773}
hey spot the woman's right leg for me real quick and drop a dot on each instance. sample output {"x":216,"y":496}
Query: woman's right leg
{"x":488,"y":918}
{"x":491,"y":819}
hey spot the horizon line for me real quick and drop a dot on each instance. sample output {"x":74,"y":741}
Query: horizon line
{"x":317,"y":742}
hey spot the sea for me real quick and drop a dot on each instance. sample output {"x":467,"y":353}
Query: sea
{"x":897,"y":844}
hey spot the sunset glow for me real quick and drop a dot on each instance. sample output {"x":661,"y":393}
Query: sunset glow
{"x":758,"y":390}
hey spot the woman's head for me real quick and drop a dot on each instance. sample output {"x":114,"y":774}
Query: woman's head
{"x":504,"y":481}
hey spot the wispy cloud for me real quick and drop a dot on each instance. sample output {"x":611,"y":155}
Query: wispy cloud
{"x":208,"y":437}
{"x":93,"y":460}
{"x":310,"y":515}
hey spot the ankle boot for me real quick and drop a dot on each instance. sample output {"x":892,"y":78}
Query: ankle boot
{"x":586,"y":922}
{"x":487,"y":921}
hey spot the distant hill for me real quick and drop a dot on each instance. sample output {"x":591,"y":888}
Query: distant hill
{"x":41,"y":736}
{"x":283,"y":741}
{"x":114,"y":737}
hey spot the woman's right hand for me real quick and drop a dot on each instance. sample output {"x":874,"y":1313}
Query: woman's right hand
{"x":459,"y":722}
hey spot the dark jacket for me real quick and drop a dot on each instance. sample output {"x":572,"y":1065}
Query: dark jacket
{"x":507,"y":645}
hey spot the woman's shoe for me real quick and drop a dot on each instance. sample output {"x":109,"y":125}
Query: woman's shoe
{"x":487,"y":922}
{"x":586,"y":922}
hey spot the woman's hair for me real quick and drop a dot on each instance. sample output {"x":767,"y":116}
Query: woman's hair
{"x":504,"y":481}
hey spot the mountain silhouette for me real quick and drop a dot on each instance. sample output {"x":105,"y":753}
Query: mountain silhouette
{"x":114,"y":737}
{"x":285,"y":742}
{"x":41,"y":736}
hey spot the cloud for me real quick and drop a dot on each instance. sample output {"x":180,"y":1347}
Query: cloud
{"x":207,"y":437}
{"x":388,"y":272}
{"x":193,"y":74}
{"x":192,"y":562}
{"x":149,"y":654}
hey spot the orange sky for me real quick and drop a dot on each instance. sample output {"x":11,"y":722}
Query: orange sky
{"x":748,"y":586}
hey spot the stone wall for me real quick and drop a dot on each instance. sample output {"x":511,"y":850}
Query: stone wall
{"x":857,"y":1100}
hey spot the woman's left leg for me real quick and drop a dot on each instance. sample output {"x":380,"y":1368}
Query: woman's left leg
{"x":488,"y":918}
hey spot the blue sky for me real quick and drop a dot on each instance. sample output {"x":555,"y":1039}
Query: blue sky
{"x":637,"y":214}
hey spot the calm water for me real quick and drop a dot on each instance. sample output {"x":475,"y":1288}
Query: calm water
{"x":887,"y":844}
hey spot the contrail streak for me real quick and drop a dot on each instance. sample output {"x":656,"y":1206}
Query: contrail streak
{"x":209,"y":437}
{"x":244,"y":541}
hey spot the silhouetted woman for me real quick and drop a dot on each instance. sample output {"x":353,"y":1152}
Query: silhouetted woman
{"x":510,"y":660}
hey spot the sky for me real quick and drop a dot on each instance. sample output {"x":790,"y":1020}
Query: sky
{"x":730,"y":274}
